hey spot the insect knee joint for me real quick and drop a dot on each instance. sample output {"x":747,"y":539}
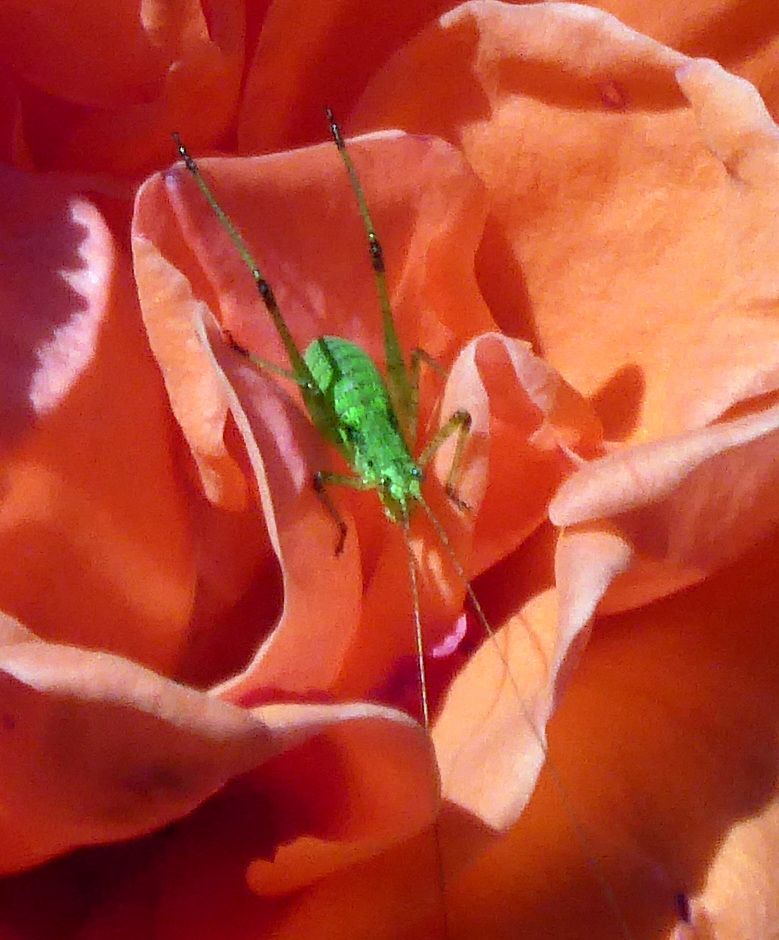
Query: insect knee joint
{"x":451,"y":492}
{"x":319,"y":481}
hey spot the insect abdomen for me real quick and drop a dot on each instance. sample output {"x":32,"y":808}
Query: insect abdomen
{"x":366,"y":429}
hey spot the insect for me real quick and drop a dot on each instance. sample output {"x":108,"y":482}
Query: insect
{"x":370,"y":418}
{"x":370,"y":421}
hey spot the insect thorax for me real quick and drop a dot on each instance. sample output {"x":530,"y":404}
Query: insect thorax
{"x":363,"y":424}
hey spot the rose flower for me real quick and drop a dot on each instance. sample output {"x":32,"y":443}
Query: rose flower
{"x":211,"y":720}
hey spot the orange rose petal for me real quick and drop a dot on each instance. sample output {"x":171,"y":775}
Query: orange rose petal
{"x":665,"y":743}
{"x":304,"y":653}
{"x":290,"y":206}
{"x":322,"y":66}
{"x":643,"y":772}
{"x":366,"y":782}
{"x":297,"y":659}
{"x":617,"y":215}
{"x":130,"y":751}
{"x":285,"y":94}
{"x":656,"y":765}
{"x":107,"y":90}
{"x":489,"y":733}
{"x":100,"y":548}
{"x":193,"y":886}
{"x":236,"y":589}
{"x":35,"y":42}
{"x":537,"y":426}
{"x":196,"y":92}
{"x":393,"y":895}
{"x":171,"y":314}
{"x":738,"y":897}
{"x":378,"y":785}
{"x":682,"y":508}
{"x":518,"y":434}
{"x":98,"y":749}
{"x":715,"y":29}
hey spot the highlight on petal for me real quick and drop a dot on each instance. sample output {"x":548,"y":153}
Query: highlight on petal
{"x":59,"y":261}
{"x":734,"y":121}
{"x":92,"y":516}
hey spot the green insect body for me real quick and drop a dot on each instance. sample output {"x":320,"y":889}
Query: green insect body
{"x":366,"y":430}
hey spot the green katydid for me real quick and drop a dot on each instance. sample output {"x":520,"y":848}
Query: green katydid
{"x":372,"y":421}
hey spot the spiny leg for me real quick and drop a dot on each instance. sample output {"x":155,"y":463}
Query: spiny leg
{"x":300,"y":372}
{"x":418,"y":356}
{"x":397,"y":377}
{"x":323,"y":479}
{"x":258,"y":361}
{"x":460,"y":424}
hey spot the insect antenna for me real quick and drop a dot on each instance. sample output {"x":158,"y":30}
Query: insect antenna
{"x":423,"y":696}
{"x":581,"y":833}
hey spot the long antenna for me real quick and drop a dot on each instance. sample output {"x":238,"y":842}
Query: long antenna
{"x":263,"y":287}
{"x":413,"y":579}
{"x":592,"y":859}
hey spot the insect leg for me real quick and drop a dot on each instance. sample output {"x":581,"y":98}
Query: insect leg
{"x":258,"y":361}
{"x":460,"y":424}
{"x":420,"y":355}
{"x":398,"y":383}
{"x":417,"y":357}
{"x":301,"y":372}
{"x":323,"y":479}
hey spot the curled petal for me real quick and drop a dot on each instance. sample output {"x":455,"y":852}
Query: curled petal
{"x":681,"y":507}
{"x":98,"y":749}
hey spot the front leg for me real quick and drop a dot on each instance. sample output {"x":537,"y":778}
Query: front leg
{"x":323,"y":479}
